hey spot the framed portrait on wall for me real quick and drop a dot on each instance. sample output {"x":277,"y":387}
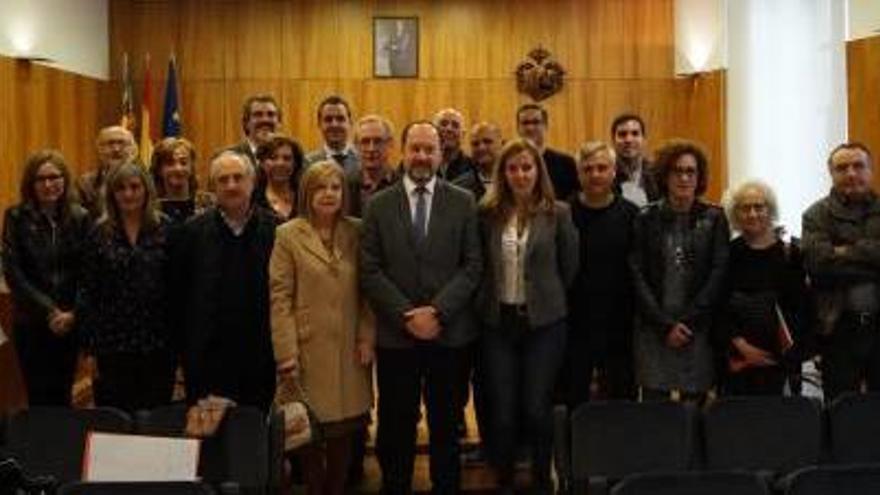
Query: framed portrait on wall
{"x":395,"y":47}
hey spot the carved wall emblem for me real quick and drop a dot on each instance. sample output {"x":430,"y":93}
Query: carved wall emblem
{"x":539,"y":76}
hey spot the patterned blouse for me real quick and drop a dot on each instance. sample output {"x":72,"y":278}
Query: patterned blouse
{"x":122,"y":296}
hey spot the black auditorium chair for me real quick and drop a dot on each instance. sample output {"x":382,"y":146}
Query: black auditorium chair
{"x":244,"y":453}
{"x":853,"y":479}
{"x":769,"y":435}
{"x":692,"y":483}
{"x":50,"y":441}
{"x":603,"y":442}
{"x":138,"y":488}
{"x":855,"y":428}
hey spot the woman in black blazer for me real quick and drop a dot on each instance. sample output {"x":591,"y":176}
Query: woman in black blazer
{"x":531,"y":250}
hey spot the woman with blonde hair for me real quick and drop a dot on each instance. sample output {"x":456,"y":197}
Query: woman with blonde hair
{"x":766,"y":293}
{"x":531,"y":250}
{"x":122,"y":296}
{"x":322,"y":331}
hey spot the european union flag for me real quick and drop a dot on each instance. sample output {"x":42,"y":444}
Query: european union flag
{"x":171,"y":123}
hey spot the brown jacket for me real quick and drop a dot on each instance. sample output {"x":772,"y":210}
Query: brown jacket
{"x":319,"y":317}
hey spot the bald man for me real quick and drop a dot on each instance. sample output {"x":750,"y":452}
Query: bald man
{"x":486,"y":145}
{"x":115,"y":146}
{"x":450,"y":124}
{"x":220,"y":265}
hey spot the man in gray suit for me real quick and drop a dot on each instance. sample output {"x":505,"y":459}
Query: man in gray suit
{"x":420,"y":264}
{"x":334,"y":119}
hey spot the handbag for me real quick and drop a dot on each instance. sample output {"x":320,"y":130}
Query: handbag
{"x":301,"y":426}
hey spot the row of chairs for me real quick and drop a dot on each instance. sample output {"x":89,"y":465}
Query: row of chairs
{"x":815,"y":480}
{"x":601,"y":443}
{"x":245,"y":456}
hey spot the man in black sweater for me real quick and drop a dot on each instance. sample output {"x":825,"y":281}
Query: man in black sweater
{"x":221,"y":291}
{"x":531,"y":123}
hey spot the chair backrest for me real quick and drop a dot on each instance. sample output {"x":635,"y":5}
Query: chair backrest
{"x":692,"y":483}
{"x":239,"y":452}
{"x":49,"y":441}
{"x":140,"y":488}
{"x":616,"y":438}
{"x":835,"y":480}
{"x":855,"y":428}
{"x":773,"y":434}
{"x":167,"y":420}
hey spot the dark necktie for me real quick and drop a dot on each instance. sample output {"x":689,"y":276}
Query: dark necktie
{"x":421,"y":216}
{"x":340,"y":158}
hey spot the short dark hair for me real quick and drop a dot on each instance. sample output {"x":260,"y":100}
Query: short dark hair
{"x":670,"y":152}
{"x":333,"y":100}
{"x":852,"y":145}
{"x":405,"y":134}
{"x":532,"y":106}
{"x":257,"y":98}
{"x":626,"y":117}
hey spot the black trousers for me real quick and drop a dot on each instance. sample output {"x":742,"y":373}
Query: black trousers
{"x":48,"y":364}
{"x":133,"y":381}
{"x":851,"y":354}
{"x":613,"y":365}
{"x":404,"y":376}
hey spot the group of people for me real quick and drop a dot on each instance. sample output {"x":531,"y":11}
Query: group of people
{"x":518,"y":271}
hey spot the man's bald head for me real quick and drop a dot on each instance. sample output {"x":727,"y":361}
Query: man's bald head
{"x":115,"y":146}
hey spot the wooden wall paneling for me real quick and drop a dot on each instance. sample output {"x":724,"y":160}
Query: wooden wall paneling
{"x":863,"y":88}
{"x":7,"y":124}
{"x":44,"y":107}
{"x":252,"y":40}
{"x":309,"y":40}
{"x":201,"y":52}
{"x":354,"y":36}
{"x":205,"y":120}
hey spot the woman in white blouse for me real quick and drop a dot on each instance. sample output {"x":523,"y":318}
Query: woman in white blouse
{"x":531,"y":250}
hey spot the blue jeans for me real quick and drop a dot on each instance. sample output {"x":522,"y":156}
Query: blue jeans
{"x":522,"y":365}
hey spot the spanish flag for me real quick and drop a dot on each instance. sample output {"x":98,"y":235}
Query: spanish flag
{"x":146,"y":144}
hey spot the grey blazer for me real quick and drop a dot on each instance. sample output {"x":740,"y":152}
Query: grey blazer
{"x":350,"y":164}
{"x":397,"y":273}
{"x":552,"y":258}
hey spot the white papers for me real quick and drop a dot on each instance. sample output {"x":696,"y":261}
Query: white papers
{"x":114,"y":457}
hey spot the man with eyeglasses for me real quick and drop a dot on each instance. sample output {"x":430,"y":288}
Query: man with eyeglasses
{"x":373,"y":137}
{"x":841,"y":243}
{"x":115,"y":146}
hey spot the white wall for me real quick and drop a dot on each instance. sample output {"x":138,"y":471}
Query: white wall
{"x":700,"y":35}
{"x":73,"y":34}
{"x":864,"y":19}
{"x":786,"y":101}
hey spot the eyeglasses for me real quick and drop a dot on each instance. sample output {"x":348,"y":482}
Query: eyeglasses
{"x":684,"y":173}
{"x":748,"y":207}
{"x":48,"y":178}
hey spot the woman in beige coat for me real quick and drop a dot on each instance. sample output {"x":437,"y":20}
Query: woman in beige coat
{"x":322,"y":333}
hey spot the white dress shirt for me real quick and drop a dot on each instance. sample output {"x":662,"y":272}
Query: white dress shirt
{"x":410,"y":186}
{"x":512,"y":288}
